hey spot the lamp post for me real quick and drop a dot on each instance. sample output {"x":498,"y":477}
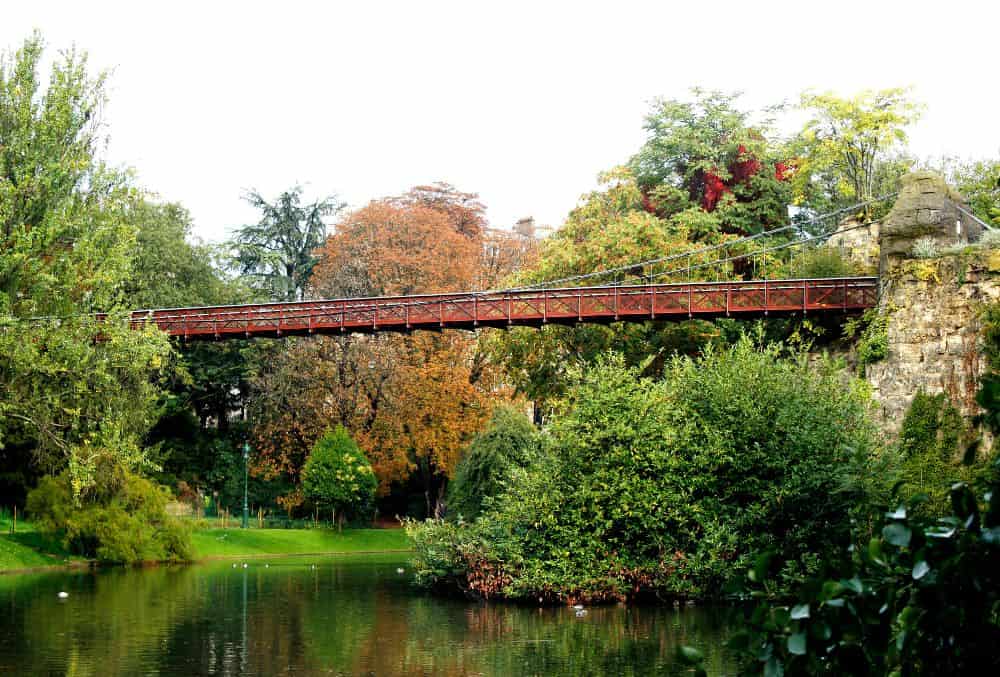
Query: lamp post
{"x":246,"y":461}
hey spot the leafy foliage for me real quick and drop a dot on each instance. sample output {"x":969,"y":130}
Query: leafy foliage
{"x":978,"y":181}
{"x":337,"y":475}
{"x":412,"y":402}
{"x":65,"y":237}
{"x":125,"y":522}
{"x":167,"y":270}
{"x":850,"y":149}
{"x":668,"y":487}
{"x":933,"y":441}
{"x":872,"y":330}
{"x":278,"y":251}
{"x":707,"y":156}
{"x":508,"y":442}
{"x":706,"y":173}
{"x":920,"y":599}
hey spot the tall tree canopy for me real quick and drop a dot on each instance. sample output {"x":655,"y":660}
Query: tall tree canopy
{"x":170,"y":271}
{"x":851,"y":149}
{"x":65,"y":239}
{"x":277,"y":252}
{"x":706,"y":174}
{"x":412,"y":402}
{"x":709,"y":166}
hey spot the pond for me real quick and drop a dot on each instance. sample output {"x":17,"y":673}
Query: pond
{"x":349,"y":615}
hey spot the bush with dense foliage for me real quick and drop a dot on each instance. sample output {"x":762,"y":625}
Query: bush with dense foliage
{"x":337,"y":475}
{"x":937,"y":448}
{"x":124,"y":522}
{"x":510,"y":441}
{"x":921,"y":599}
{"x":671,"y":487}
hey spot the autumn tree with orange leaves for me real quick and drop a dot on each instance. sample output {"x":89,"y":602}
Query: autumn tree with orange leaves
{"x":413,"y":402}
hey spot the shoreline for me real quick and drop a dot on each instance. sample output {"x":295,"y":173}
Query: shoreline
{"x":95,"y":564}
{"x":254,"y":544}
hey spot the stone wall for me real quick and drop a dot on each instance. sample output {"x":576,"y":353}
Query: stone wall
{"x":934,"y":331}
{"x":933,"y":305}
{"x":858,"y":243}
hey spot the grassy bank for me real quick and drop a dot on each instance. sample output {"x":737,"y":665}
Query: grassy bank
{"x":256,"y":542}
{"x":29,"y":549}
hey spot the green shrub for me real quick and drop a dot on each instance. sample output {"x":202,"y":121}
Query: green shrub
{"x":509,"y":441}
{"x":921,"y":599}
{"x":933,"y":439}
{"x":872,"y":329}
{"x":337,"y":475}
{"x":821,"y":262}
{"x":669,"y":487}
{"x":128,"y":525}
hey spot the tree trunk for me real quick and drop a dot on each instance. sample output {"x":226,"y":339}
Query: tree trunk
{"x":439,"y":504}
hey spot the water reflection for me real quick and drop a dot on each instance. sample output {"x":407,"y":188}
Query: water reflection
{"x":349,"y":615}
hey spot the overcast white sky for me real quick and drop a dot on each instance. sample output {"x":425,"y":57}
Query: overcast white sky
{"x":522,"y":102}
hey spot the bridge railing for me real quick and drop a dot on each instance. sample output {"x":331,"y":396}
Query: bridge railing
{"x":532,"y":307}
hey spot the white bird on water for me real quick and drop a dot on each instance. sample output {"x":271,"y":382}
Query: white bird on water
{"x":63,"y":595}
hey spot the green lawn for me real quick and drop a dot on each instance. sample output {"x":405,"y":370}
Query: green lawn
{"x":28,"y":549}
{"x":240,"y":542}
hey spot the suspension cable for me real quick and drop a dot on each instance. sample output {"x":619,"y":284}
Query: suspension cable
{"x":749,"y":238}
{"x":974,"y":217}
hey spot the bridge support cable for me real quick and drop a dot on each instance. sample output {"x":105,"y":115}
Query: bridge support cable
{"x":564,"y":281}
{"x":511,"y":306}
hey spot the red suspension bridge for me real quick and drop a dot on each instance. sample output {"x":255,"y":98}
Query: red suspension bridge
{"x":518,"y":307}
{"x":552,"y":302}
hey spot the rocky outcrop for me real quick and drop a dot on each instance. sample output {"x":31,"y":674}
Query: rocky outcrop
{"x":925,"y":208}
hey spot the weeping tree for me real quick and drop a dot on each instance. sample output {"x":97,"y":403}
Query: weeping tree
{"x":277,"y":252}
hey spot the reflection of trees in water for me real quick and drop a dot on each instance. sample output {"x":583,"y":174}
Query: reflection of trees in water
{"x":113,"y":622}
{"x":506,"y":639}
{"x":347,"y":617}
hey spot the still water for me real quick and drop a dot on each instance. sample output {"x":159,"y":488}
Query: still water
{"x":351,"y":615}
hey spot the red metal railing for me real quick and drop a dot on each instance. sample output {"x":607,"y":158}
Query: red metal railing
{"x":534,"y":307}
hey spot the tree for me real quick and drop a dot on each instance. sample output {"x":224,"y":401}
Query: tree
{"x":509,"y":441}
{"x":195,"y":441}
{"x":337,"y":475}
{"x":278,"y":251}
{"x":664,"y":487}
{"x":707,"y":165}
{"x":80,"y":392}
{"x":609,"y":229}
{"x":170,"y":271}
{"x":979,"y":182}
{"x":706,"y":174}
{"x":412,"y":402}
{"x":850,"y":149}
{"x":388,"y":249}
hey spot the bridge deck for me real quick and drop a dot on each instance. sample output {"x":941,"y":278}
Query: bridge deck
{"x":535,"y":307}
